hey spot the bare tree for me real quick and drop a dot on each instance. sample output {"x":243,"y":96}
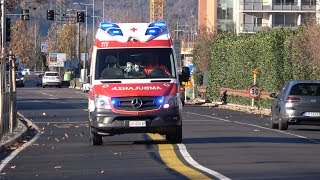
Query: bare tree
{"x":21,"y":44}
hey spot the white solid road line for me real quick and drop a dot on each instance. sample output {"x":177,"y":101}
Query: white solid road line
{"x":47,"y":94}
{"x":185,"y":154}
{"x":212,"y":117}
{"x":261,"y":127}
{"x":25,"y":145}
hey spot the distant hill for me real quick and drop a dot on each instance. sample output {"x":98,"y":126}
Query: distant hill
{"x":182,"y":11}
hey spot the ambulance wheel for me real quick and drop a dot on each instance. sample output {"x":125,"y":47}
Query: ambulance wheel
{"x":175,"y":136}
{"x":95,"y":139}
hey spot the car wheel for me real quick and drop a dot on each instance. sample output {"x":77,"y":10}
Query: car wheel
{"x":273,"y":125}
{"x":95,"y":139}
{"x":43,"y":86}
{"x":59,"y":86}
{"x":283,"y":125}
{"x":176,"y":136}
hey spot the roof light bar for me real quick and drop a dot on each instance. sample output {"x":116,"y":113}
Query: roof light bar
{"x":153,"y":31}
{"x":159,"y":24}
{"x":115,"y":32}
{"x":106,"y":25}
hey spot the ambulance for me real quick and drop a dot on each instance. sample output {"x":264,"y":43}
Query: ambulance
{"x":134,"y":82}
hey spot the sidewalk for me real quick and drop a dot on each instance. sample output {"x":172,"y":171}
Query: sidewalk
{"x":10,"y":138}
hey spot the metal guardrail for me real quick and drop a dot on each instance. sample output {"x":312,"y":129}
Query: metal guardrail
{"x":202,"y":90}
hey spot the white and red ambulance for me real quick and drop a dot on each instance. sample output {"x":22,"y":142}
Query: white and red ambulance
{"x":134,"y":82}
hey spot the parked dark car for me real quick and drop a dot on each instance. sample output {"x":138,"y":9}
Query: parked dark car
{"x":39,"y":79}
{"x":19,"y":79}
{"x":298,"y":103}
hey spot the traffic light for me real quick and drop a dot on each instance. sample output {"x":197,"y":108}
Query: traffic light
{"x":8,"y":29}
{"x":25,"y":15}
{"x":80,"y":16}
{"x":50,"y":15}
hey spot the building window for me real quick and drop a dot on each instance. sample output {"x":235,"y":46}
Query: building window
{"x":309,"y":2}
{"x":284,"y":2}
{"x":257,"y":21}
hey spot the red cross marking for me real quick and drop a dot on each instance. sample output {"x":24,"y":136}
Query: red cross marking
{"x":133,"y":29}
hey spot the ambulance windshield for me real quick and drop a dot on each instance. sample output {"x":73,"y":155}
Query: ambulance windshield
{"x":137,"y":63}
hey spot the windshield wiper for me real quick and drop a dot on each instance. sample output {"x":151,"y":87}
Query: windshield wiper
{"x":110,"y":81}
{"x":163,"y":80}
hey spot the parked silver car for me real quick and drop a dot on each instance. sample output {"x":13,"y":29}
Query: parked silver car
{"x":298,"y":103}
{"x":51,"y":78}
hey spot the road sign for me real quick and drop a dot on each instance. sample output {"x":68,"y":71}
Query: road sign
{"x":254,"y":91}
{"x":43,"y":47}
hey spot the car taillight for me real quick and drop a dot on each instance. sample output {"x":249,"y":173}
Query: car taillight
{"x":58,"y":77}
{"x":292,"y":99}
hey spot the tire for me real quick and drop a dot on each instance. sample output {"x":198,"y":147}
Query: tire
{"x":95,"y":139}
{"x":176,"y":136}
{"x":59,"y":86}
{"x":43,"y":86}
{"x":283,"y":125}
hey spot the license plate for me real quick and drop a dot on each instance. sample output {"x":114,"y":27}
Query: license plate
{"x":312,"y":114}
{"x":137,"y":123}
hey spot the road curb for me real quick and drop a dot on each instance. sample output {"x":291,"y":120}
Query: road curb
{"x":10,"y":138}
{"x":236,"y":107}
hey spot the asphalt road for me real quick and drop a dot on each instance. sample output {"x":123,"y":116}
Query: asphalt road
{"x":217,"y":144}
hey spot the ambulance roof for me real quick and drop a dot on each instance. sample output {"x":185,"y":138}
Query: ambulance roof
{"x":133,"y":35}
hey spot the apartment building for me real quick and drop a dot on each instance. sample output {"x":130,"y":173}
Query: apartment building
{"x":250,"y":16}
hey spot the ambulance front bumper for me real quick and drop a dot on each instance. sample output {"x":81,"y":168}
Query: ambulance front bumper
{"x":108,"y":123}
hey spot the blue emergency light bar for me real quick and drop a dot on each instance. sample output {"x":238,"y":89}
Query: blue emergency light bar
{"x":159,"y":24}
{"x":115,"y":32}
{"x":156,"y":28}
{"x":153,"y":31}
{"x":106,"y":25}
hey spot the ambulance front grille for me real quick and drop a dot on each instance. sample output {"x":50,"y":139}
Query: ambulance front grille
{"x":136,"y":103}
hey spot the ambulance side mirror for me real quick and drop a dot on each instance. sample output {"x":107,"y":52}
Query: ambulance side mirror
{"x":84,"y":76}
{"x":185,"y":74}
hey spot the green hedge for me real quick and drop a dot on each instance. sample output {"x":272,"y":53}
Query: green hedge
{"x":278,"y":54}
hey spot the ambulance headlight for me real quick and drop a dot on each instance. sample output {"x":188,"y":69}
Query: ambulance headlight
{"x":171,"y":101}
{"x":102,"y":102}
{"x":106,"y":25}
{"x":115,"y":32}
{"x":153,"y":31}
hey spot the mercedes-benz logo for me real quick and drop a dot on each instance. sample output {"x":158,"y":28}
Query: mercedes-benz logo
{"x":136,"y":103}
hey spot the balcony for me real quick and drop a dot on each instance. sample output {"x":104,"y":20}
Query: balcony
{"x":262,"y":7}
{"x":252,"y":28}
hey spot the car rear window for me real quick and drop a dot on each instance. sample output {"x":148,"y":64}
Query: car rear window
{"x":306,"y":89}
{"x":52,"y":74}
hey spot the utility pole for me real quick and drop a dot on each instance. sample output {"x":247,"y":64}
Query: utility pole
{"x":2,"y":66}
{"x":86,"y":53}
{"x":93,"y":33}
{"x":12,"y":92}
{"x":79,"y":54}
